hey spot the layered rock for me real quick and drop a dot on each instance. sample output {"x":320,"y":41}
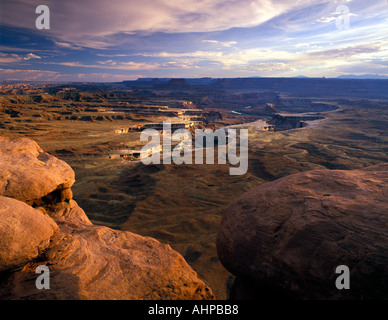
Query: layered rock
{"x":285,"y":239}
{"x":85,"y":261}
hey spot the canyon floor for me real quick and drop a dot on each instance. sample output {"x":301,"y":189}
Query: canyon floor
{"x":182,"y":205}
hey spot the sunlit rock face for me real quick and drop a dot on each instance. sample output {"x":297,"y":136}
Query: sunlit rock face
{"x":29,"y":174}
{"x":40,"y":224}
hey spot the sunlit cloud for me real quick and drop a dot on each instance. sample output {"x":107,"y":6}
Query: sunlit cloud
{"x":42,"y":75}
{"x":221,"y":43}
{"x":29,"y":75}
{"x":110,"y":64}
{"x":6,"y":58}
{"x":67,"y":45}
{"x":31,"y":56}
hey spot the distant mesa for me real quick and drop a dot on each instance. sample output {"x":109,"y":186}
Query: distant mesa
{"x":178,"y":82}
{"x":175,"y":84}
{"x":360,"y":86}
{"x":284,"y":239}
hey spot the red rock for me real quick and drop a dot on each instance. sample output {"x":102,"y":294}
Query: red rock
{"x":285,"y":238}
{"x":28,"y":174}
{"x":85,"y":261}
{"x":24,"y":232}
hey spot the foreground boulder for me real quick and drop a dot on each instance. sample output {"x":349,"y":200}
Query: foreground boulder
{"x":29,"y":174}
{"x":90,"y":262}
{"x":24,"y":232}
{"x":85,"y":261}
{"x":285,"y":239}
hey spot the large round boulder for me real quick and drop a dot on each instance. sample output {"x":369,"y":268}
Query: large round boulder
{"x":29,"y":174}
{"x":286,"y":238}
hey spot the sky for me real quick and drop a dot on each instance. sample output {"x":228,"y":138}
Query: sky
{"x":116,"y":40}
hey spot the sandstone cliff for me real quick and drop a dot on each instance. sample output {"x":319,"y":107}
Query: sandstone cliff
{"x":40,"y":224}
{"x":284,"y":239}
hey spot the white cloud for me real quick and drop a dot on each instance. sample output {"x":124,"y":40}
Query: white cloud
{"x":221,"y":43}
{"x":326,"y":19}
{"x":31,"y":56}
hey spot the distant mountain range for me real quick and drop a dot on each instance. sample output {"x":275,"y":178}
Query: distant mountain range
{"x":353,"y":76}
{"x":362,"y":76}
{"x":209,"y":80}
{"x":365,"y":86}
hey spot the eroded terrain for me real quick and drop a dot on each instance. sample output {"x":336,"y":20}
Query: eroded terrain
{"x":182,"y":205}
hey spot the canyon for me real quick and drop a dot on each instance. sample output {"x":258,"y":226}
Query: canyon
{"x":182,"y":206}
